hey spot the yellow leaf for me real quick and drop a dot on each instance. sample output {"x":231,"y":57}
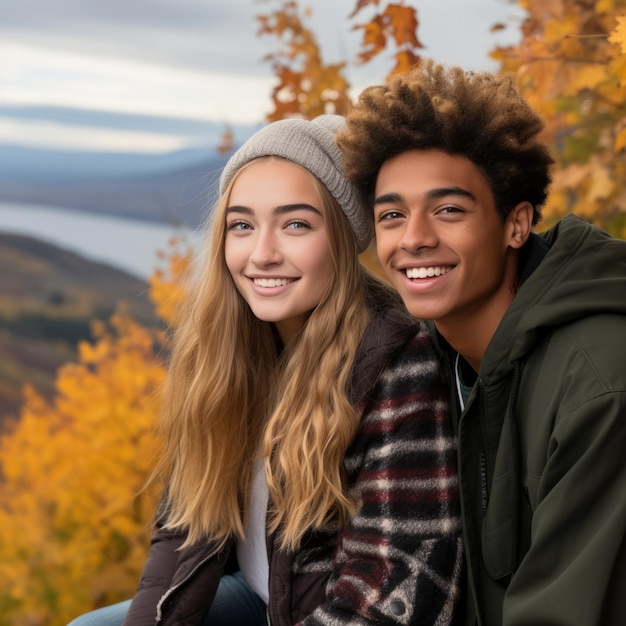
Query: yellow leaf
{"x":620,"y":141}
{"x":601,"y":185}
{"x":586,"y":77}
{"x":604,"y":6}
{"x":618,"y":35}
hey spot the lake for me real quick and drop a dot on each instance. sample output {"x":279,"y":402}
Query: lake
{"x":129,"y":245}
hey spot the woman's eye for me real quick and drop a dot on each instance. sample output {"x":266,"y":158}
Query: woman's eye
{"x":298,"y":225}
{"x":238,"y":225}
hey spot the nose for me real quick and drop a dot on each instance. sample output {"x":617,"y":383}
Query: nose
{"x":266,"y":250}
{"x":418,"y":233}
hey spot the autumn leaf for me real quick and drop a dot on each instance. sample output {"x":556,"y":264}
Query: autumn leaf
{"x":618,"y":35}
{"x":361,"y":4}
{"x":403,"y":24}
{"x":306,"y":86}
{"x":374,"y":38}
{"x":620,"y":141}
{"x":395,"y":23}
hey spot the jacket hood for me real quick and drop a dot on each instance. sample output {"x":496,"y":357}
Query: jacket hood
{"x":583,"y":273}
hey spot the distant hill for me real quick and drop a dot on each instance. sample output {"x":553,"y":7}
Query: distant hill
{"x":48,"y":298}
{"x":179,"y":196}
{"x":171,"y":187}
{"x":43,"y":164}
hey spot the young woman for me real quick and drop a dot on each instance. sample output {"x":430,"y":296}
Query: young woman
{"x":308,"y":452}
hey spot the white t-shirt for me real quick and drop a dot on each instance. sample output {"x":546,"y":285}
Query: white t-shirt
{"x":252,"y":553}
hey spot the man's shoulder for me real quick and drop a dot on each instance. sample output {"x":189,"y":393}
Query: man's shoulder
{"x":582,"y":359}
{"x":601,"y":337}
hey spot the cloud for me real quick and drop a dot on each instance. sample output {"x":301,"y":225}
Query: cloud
{"x":50,"y":77}
{"x":88,"y":139}
{"x":197,"y":34}
{"x":195,"y":59}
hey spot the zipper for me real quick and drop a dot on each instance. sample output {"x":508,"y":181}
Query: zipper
{"x":484,"y":498}
{"x":177,"y":586}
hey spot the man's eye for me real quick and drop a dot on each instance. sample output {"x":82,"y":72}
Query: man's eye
{"x":390,"y":215}
{"x":449,"y":210}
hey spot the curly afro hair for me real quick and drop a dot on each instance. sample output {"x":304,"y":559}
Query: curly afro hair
{"x":479,"y":115}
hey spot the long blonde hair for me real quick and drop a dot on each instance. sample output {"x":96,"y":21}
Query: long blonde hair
{"x":231,"y":394}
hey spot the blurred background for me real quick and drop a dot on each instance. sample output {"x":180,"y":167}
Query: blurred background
{"x":115,"y":121}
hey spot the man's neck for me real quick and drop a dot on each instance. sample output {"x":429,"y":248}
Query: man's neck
{"x":469,"y":332}
{"x":470,"y":340}
{"x":469,"y":329}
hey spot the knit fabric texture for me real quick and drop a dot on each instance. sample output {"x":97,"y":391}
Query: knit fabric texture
{"x":399,"y":559}
{"x":310,"y":144}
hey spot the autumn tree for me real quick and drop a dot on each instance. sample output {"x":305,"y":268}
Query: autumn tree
{"x":72,"y":533}
{"x":571,"y":66}
{"x":307,"y":86}
{"x":74,"y":521}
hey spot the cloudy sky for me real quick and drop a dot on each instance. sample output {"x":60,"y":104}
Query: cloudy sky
{"x":145,"y":75}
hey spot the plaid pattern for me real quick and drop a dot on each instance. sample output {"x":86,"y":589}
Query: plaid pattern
{"x":400,"y":558}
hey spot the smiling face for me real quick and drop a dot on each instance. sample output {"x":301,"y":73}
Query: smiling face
{"x":276,"y":246}
{"x":441,"y":242}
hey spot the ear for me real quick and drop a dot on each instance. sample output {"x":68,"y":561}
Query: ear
{"x":519,"y":223}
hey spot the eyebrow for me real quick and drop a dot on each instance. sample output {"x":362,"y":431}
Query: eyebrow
{"x":282,"y":209}
{"x":431,"y":194}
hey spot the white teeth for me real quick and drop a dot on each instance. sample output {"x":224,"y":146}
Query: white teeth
{"x":271,"y":282}
{"x":426,"y":272}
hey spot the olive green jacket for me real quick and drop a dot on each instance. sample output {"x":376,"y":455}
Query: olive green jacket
{"x":542,"y":443}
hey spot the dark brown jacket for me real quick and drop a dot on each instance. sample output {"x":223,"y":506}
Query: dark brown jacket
{"x":411,"y":573}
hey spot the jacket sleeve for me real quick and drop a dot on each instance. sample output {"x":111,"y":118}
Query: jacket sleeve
{"x":575,"y":570}
{"x":177,"y":584}
{"x":399,"y":558}
{"x":156,"y":576}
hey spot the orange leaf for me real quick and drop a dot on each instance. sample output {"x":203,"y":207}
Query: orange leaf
{"x":405,"y":60}
{"x":360,"y":5}
{"x":403,"y":23}
{"x":374,"y":39}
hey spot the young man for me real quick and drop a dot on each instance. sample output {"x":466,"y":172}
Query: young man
{"x":532,"y":329}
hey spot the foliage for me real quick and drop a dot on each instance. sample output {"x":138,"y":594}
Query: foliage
{"x":571,"y":66}
{"x":167,"y":287}
{"x":74,"y":532}
{"x":395,"y":23}
{"x":306,"y":86}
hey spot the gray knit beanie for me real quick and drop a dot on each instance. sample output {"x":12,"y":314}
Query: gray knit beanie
{"x":310,"y":144}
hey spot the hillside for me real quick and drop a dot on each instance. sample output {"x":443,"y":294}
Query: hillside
{"x":174,"y":196}
{"x":48,"y":297}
